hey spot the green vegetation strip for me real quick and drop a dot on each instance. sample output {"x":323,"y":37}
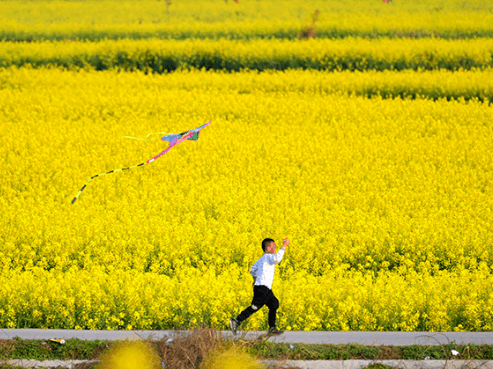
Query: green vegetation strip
{"x":158,"y":56}
{"x":76,"y":349}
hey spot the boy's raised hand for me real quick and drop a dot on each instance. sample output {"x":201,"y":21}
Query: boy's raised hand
{"x":285,"y":242}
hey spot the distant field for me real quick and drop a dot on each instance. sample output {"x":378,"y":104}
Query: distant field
{"x":109,"y":19}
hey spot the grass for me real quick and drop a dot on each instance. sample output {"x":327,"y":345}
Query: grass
{"x":283,"y":351}
{"x":72,"y":349}
{"x":190,"y":351}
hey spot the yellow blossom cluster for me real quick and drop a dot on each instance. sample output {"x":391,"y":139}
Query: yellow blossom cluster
{"x":387,"y":202}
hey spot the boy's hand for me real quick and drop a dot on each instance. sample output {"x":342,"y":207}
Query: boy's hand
{"x":285,"y":242}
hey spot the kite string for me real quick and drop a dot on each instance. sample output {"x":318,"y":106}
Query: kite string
{"x":147,"y":137}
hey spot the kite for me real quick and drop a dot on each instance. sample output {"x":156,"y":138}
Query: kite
{"x":173,"y":139}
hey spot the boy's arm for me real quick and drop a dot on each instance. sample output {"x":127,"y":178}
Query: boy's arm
{"x":276,"y":259}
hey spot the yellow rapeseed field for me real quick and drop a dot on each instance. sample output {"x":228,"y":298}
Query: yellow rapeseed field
{"x":387,"y":202}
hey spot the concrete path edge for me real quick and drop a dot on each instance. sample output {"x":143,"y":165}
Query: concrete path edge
{"x":313,"y":337}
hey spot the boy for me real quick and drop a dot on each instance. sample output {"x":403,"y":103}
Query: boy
{"x":263,"y":276}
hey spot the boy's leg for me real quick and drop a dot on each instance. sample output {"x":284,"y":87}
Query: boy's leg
{"x":260,"y":295}
{"x":273,"y":304}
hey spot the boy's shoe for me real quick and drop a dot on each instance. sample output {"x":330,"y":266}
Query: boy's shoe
{"x":233,"y":324}
{"x":274,"y":331}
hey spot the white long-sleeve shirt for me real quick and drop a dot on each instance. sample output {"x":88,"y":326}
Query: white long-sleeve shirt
{"x":264,"y":268}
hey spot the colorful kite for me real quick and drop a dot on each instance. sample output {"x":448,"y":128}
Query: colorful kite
{"x":173,"y":139}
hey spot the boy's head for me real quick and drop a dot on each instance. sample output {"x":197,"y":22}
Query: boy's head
{"x":269,"y":246}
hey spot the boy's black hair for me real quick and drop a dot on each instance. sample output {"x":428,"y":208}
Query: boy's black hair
{"x":266,"y":242}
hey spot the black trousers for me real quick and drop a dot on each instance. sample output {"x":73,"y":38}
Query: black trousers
{"x":262,"y":295}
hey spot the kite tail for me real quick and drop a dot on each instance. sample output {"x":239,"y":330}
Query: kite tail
{"x":103,"y":174}
{"x":173,"y":139}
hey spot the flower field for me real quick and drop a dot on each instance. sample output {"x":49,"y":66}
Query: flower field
{"x":381,"y":176}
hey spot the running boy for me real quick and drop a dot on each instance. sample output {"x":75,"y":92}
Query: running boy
{"x":263,"y":276}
